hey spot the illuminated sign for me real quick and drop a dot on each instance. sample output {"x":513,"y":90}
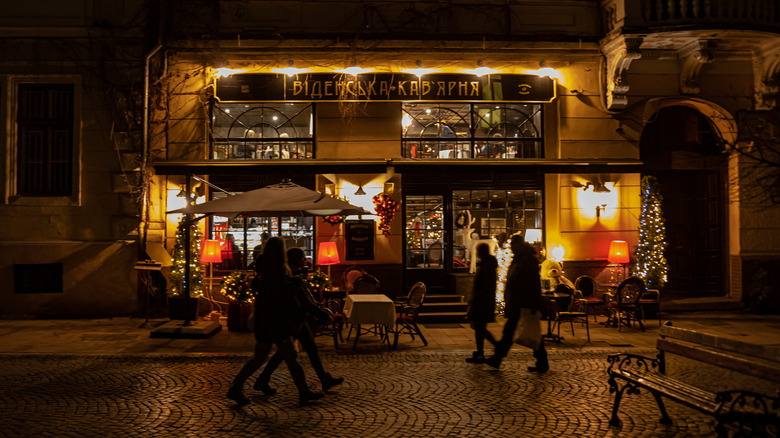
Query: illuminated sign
{"x":385,"y":87}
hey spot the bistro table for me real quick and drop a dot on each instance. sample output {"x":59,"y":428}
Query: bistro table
{"x":374,"y":309}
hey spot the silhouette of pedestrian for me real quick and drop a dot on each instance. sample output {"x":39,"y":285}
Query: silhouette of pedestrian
{"x":296,"y":259}
{"x":523,"y":289}
{"x":482,"y":305}
{"x":278,"y":316}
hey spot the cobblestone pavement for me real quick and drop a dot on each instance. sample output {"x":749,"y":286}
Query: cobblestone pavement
{"x":394,"y":394}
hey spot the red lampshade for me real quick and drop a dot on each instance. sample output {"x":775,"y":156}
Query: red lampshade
{"x":618,"y":252}
{"x":211,"y":252}
{"x":328,"y":254}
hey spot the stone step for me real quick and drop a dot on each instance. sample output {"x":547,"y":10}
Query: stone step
{"x":429,"y":307}
{"x":441,"y":317}
{"x":443,"y":298}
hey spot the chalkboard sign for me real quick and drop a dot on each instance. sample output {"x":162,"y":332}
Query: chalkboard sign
{"x":359,"y":239}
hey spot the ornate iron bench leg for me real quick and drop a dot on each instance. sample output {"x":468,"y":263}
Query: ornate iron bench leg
{"x":664,"y":416}
{"x":615,"y":421}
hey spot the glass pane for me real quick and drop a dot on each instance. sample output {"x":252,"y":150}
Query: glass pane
{"x":262,"y":131}
{"x":484,"y":215}
{"x":424,"y":231}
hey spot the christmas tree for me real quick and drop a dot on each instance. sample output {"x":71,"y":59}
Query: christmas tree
{"x":179,"y":262}
{"x":650,"y":261}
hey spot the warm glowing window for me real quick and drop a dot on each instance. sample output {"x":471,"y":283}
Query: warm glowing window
{"x":262,"y":131}
{"x":472,"y":130}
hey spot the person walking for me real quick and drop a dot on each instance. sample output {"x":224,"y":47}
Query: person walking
{"x":482,"y":305}
{"x":523,"y":290}
{"x":278,"y":317}
{"x":296,"y":260}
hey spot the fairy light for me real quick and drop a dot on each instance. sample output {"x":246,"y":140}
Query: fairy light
{"x":651,"y":264}
{"x":504,"y":259}
{"x":385,"y":208}
{"x":179,"y":262}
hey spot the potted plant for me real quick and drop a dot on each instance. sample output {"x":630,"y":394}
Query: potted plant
{"x":319,"y":283}
{"x":178,"y":306}
{"x":237,"y":287}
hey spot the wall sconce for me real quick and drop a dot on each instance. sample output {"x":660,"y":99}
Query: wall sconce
{"x":598,"y":195}
{"x":360,"y":191}
{"x":558,"y":253}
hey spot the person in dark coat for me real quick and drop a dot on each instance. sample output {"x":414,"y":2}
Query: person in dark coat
{"x":278,"y":317}
{"x":523,"y":290}
{"x":296,"y":260}
{"x":482,"y":306}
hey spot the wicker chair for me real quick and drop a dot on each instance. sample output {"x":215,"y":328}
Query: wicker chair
{"x":365,"y":284}
{"x":351,"y":274}
{"x":406,"y":319}
{"x":333,"y":327}
{"x":624,"y":307}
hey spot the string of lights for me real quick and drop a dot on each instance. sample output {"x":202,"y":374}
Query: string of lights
{"x":651,"y":264}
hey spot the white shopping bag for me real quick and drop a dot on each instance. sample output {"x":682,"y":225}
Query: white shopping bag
{"x":529,"y":331}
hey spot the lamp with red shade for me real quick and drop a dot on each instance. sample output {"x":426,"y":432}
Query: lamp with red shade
{"x":328,"y":254}
{"x":211,"y":254}
{"x":618,"y":253}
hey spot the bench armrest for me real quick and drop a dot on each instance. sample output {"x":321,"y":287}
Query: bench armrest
{"x":636,"y":361}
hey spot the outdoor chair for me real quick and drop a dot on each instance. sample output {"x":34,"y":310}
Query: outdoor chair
{"x":351,"y":274}
{"x":624,"y":307}
{"x":576,"y":312}
{"x":587,"y":286}
{"x":333,"y":327}
{"x":406,"y":318}
{"x":651,"y":299}
{"x":366,"y":284}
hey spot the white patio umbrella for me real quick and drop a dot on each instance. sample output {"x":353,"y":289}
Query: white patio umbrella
{"x":276,"y":200}
{"x":283,"y":199}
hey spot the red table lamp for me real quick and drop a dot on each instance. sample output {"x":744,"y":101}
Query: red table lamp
{"x":618,"y":252}
{"x":328,"y":254}
{"x":211,"y":254}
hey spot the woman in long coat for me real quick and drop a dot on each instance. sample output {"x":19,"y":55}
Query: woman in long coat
{"x":482,"y":306}
{"x":278,"y":317}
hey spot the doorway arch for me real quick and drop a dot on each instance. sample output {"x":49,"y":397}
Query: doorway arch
{"x":682,"y":146}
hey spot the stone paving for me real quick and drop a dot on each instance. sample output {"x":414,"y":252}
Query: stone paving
{"x":106,"y":378}
{"x":396,"y":394}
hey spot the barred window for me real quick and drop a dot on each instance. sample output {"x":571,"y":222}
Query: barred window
{"x":472,"y":130}
{"x":45,"y":139}
{"x":262,"y":131}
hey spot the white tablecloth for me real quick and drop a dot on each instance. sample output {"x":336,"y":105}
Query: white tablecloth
{"x":370,"y":309}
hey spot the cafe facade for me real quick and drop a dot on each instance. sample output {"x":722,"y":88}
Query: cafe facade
{"x":538,"y":118}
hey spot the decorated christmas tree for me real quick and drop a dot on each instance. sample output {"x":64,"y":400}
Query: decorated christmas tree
{"x":650,"y":261}
{"x":179,"y":262}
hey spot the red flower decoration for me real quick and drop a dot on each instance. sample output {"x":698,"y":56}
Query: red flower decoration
{"x":385,"y":208}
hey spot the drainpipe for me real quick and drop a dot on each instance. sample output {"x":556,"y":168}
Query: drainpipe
{"x":145,"y":151}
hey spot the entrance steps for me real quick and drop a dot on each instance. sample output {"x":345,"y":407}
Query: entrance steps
{"x":443,"y":308}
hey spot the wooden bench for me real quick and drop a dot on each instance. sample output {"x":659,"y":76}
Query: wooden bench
{"x":751,"y":413}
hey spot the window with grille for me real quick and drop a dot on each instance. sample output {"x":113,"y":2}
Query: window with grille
{"x":472,"y":130}
{"x":44,"y":123}
{"x":262,"y":131}
{"x":487,"y":214}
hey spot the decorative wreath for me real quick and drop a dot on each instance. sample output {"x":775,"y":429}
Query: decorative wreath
{"x":385,"y":208}
{"x":335,"y":219}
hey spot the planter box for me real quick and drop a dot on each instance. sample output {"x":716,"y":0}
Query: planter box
{"x":238,"y":315}
{"x":179,"y":308}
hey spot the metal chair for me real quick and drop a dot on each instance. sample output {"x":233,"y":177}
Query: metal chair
{"x":624,"y":306}
{"x":406,"y":319}
{"x":651,"y":299}
{"x":577,"y":311}
{"x":587,"y":286}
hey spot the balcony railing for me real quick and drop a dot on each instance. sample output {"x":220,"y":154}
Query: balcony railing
{"x":708,"y":14}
